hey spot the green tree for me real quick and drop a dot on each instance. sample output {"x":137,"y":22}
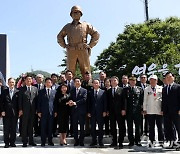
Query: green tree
{"x":154,"y":41}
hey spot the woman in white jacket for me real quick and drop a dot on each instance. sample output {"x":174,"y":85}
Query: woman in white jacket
{"x":152,"y":107}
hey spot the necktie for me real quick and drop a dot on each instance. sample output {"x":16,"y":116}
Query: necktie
{"x":29,"y":90}
{"x":69,"y":85}
{"x":11,"y":93}
{"x":169,"y":89}
{"x":132,"y":89}
{"x":102,"y":84}
{"x":154,"y":90}
{"x":114,"y":91}
{"x":39,"y":86}
{"x":95,"y":94}
{"x":48,"y":93}
{"x":77,"y":91}
{"x":144,"y":86}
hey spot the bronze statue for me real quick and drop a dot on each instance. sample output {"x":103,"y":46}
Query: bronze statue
{"x":78,"y":49}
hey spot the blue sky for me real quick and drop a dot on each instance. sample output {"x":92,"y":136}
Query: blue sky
{"x":32,"y":26}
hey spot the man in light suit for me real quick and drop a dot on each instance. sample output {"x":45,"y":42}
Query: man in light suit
{"x":46,"y":111}
{"x":97,"y":108}
{"x":10,"y":113}
{"x":171,"y":108}
{"x":102,"y":77}
{"x":27,"y":109}
{"x":79,"y":110}
{"x":152,"y":108}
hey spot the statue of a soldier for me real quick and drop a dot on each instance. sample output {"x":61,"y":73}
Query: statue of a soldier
{"x":78,"y":49}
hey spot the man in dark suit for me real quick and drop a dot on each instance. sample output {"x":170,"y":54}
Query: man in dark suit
{"x":1,"y":91}
{"x":116,"y":109}
{"x":87,"y":84}
{"x":54,"y":78}
{"x":79,"y":110}
{"x":171,"y":108}
{"x":69,"y":79}
{"x":27,"y":109}
{"x":102,"y":77}
{"x":39,"y":85}
{"x":55,"y":85}
{"x":10,"y":113}
{"x":144,"y":123}
{"x":70,"y":82}
{"x":45,"y":111}
{"x":62,"y":79}
{"x":124,"y":81}
{"x":97,"y":108}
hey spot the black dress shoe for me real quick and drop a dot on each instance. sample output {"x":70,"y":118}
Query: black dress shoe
{"x":81,"y":144}
{"x":32,"y":144}
{"x":6,"y":146}
{"x":131,"y":144}
{"x":113,"y":145}
{"x":76,"y":143}
{"x":43,"y":145}
{"x":51,"y":143}
{"x":93,"y":144}
{"x":24,"y":145}
{"x":101,"y":144}
{"x":13,"y":145}
{"x":120,"y":146}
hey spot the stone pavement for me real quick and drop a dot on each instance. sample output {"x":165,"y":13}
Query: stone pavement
{"x":70,"y":149}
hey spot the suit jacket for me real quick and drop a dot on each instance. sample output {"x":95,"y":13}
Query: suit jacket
{"x":171,"y":101}
{"x":10,"y":106}
{"x":45,"y":103}
{"x":96,"y":106}
{"x":42,"y":86}
{"x":71,"y":84}
{"x":115,"y":104}
{"x":81,"y":105}
{"x":122,"y":85}
{"x":28,"y":101}
{"x":1,"y":91}
{"x":152,"y":103}
{"x":55,"y":86}
{"x":140,"y":85}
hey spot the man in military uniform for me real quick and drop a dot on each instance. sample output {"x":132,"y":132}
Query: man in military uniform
{"x":133,"y":98}
{"x":78,"y":49}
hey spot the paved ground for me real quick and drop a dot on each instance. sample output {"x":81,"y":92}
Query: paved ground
{"x":70,"y":149}
{"x":86,"y":150}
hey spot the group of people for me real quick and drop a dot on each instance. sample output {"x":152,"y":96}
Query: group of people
{"x":90,"y":102}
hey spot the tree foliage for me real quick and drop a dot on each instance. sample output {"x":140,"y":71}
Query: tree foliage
{"x":154,"y":41}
